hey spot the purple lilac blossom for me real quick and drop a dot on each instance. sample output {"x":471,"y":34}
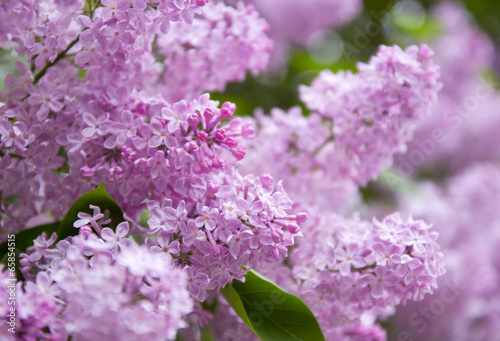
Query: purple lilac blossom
{"x":389,"y":262}
{"x":372,"y":114}
{"x":361,"y":271}
{"x":359,"y":121}
{"x":63,"y":135}
{"x":213,"y":244}
{"x":138,"y":292}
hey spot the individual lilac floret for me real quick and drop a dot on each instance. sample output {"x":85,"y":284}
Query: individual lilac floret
{"x":218,"y":47}
{"x":94,"y":220}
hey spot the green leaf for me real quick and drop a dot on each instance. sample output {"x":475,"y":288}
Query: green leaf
{"x":271,"y":313}
{"x":97,"y":197}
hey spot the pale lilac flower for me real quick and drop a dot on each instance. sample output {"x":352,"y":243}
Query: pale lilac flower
{"x":96,"y":219}
{"x":118,"y":237}
{"x":219,"y":46}
{"x":196,"y":283}
{"x":47,"y":97}
{"x":348,"y":257}
{"x":176,"y":115}
{"x":208,"y":218}
{"x":165,"y":245}
{"x":193,"y":234}
{"x":379,"y":280}
{"x":158,"y":165}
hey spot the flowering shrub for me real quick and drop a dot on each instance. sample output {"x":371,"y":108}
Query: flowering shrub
{"x":136,"y":205}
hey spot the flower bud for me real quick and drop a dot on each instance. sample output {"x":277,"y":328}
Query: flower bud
{"x":202,"y":136}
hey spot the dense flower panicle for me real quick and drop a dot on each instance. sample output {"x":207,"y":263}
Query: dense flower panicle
{"x":359,"y":121}
{"x":168,"y":157}
{"x":219,"y":46}
{"x":111,"y":40}
{"x":111,"y":141}
{"x":351,"y":272}
{"x":464,"y":122}
{"x":63,"y":135}
{"x":39,"y":108}
{"x":139,"y":292}
{"x":465,"y":213}
{"x":237,"y":223}
{"x":372,"y":114}
{"x":39,"y":29}
{"x":149,"y":149}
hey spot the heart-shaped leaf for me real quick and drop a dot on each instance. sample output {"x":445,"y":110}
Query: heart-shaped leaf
{"x":97,"y":197}
{"x":270,"y":312}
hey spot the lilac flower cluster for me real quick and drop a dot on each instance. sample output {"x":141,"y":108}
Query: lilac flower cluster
{"x":62,"y":135}
{"x":219,"y":46}
{"x":372,"y":114}
{"x":110,"y":141}
{"x":231,"y":227}
{"x":359,"y":122}
{"x":184,"y":153}
{"x":107,"y":128}
{"x":141,"y":293}
{"x":352,"y":272}
{"x":39,"y":29}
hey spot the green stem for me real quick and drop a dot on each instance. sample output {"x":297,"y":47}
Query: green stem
{"x":328,"y":140}
{"x":60,"y":56}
